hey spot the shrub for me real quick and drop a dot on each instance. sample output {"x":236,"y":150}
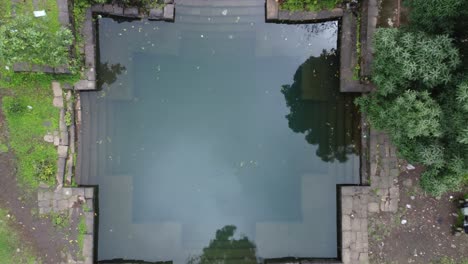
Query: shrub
{"x":422,"y":103}
{"x":310,"y":5}
{"x":28,"y":39}
{"x":404,"y":59}
{"x":435,"y":16}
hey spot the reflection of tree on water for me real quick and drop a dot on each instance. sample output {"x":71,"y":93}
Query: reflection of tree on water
{"x":107,"y":73}
{"x":326,"y":116}
{"x":225,"y":249}
{"x":315,"y":29}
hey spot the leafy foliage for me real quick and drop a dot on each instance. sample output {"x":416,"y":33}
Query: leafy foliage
{"x":27,"y":39}
{"x":435,"y":16}
{"x":402,"y":58}
{"x":422,"y":102}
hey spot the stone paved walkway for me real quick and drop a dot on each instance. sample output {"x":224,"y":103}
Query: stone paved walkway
{"x":384,"y":171}
{"x":354,"y":241}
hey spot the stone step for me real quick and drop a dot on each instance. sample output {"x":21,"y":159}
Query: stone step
{"x":215,"y":20}
{"x":220,"y":11}
{"x":204,"y":29}
{"x":93,"y":138}
{"x":220,"y":3}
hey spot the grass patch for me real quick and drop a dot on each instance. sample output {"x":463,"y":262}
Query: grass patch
{"x":60,"y":221}
{"x":3,"y":148}
{"x":30,"y":115}
{"x":448,"y":260}
{"x":11,"y":249}
{"x":308,"y":5}
{"x":82,"y":228}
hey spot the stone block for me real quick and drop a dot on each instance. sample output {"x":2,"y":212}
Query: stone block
{"x":89,"y":217}
{"x":355,"y":224}
{"x":394,"y":192}
{"x":78,"y":191}
{"x":118,"y":11}
{"x":155,"y":13}
{"x":89,"y":192}
{"x":56,"y":89}
{"x":345,"y":223}
{"x":91,"y":74}
{"x":67,"y":192}
{"x":60,"y":170}
{"x":169,"y":12}
{"x":62,"y":70}
{"x":58,"y":101}
{"x":346,"y":256}
{"x":44,"y":204}
{"x":346,"y":239}
{"x":363,"y":258}
{"x":131,"y":12}
{"x":107,"y":8}
{"x":346,"y":205}
{"x":88,"y":246}
{"x":49,"y":138}
{"x":62,"y":205}
{"x":62,"y":151}
{"x":373,"y":207}
{"x":168,"y":2}
{"x":84,"y":85}
{"x":272,"y":10}
{"x":21,"y":67}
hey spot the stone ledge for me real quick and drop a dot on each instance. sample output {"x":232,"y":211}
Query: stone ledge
{"x":28,"y":67}
{"x":167,"y":13}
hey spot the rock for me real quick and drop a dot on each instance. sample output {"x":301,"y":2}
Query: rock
{"x":412,"y":197}
{"x":410,"y":167}
{"x":408,"y":206}
{"x":49,"y":138}
{"x":408,"y":183}
{"x":404,"y":221}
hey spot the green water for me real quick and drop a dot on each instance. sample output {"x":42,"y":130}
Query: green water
{"x":218,"y":140}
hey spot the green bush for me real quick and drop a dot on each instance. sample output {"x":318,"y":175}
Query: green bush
{"x":435,"y":16}
{"x":408,"y":59}
{"x":422,"y":103}
{"x":28,"y":39}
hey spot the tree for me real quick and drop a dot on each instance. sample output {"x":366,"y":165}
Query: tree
{"x":435,"y":16}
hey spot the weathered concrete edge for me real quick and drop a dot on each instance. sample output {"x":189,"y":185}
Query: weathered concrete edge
{"x":166,"y":13}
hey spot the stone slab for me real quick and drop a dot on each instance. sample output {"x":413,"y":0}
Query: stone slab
{"x":58,"y":101}
{"x":84,"y":85}
{"x":62,"y":151}
{"x":169,"y":12}
{"x":155,"y":13}
{"x":57,"y":90}
{"x":272,"y":8}
{"x":131,"y":12}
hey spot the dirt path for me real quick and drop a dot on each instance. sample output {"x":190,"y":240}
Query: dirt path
{"x":427,"y":236}
{"x":37,"y":233}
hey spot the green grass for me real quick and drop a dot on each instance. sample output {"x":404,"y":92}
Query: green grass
{"x":448,"y":260}
{"x":36,"y":159}
{"x":10,"y":243}
{"x":27,"y":8}
{"x":309,"y":5}
{"x":81,"y":232}
{"x":60,"y":221}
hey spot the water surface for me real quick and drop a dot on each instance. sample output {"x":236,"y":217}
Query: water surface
{"x":218,"y":140}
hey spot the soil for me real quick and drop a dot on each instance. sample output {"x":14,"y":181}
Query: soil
{"x":39,"y":234}
{"x":428,"y":234}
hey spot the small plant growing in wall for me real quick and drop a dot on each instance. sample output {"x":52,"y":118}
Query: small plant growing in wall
{"x":68,"y":118}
